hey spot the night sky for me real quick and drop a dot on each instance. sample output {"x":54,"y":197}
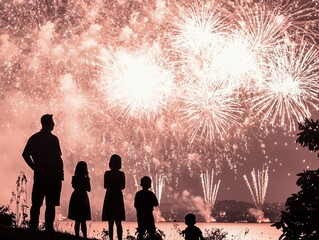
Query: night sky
{"x":174,"y":87}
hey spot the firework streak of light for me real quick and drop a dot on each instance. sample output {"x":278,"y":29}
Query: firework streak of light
{"x":258,"y":187}
{"x":210,"y":189}
{"x":157,"y":185}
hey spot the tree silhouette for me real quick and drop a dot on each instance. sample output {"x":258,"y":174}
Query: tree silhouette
{"x":309,"y":135}
{"x":300,"y":218}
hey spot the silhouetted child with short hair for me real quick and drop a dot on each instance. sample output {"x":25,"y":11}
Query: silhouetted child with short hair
{"x":192,"y":232}
{"x":145,"y":201}
{"x":79,"y":207}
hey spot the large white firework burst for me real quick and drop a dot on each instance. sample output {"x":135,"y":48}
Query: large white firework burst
{"x":208,"y":110}
{"x":136,"y":84}
{"x":236,"y":62}
{"x":198,"y":31}
{"x":197,"y":27}
{"x":289,"y":88}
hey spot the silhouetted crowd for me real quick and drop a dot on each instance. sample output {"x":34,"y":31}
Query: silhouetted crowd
{"x":43,"y":155}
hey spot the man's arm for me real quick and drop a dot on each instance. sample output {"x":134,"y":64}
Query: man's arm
{"x":27,"y":155}
{"x":60,"y":167}
{"x":28,"y":160}
{"x":59,"y":160}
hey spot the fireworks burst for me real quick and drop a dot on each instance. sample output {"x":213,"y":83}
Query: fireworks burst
{"x":137,"y":85}
{"x":236,"y":62}
{"x":289,"y":87}
{"x":197,"y":28}
{"x":258,"y":187}
{"x":209,"y":110}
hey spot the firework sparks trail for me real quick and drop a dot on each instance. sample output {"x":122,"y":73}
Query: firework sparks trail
{"x":210,"y":189}
{"x":258,"y":187}
{"x":302,"y":16}
{"x":265,"y":28}
{"x":157,"y":185}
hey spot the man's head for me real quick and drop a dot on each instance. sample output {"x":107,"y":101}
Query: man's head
{"x":47,"y":122}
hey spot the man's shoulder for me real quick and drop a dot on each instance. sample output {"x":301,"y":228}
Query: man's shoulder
{"x":54,"y":136}
{"x":43,"y":135}
{"x":35,"y":135}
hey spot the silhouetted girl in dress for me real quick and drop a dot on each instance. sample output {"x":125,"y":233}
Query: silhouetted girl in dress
{"x":113,"y":207}
{"x":79,"y":207}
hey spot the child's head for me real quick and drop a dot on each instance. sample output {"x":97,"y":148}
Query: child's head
{"x":81,"y":169}
{"x":190,"y":219}
{"x":115,"y":162}
{"x":146,"y":182}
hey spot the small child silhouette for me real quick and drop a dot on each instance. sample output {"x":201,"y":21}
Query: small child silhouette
{"x":79,"y":207}
{"x":145,"y":201}
{"x":192,"y":232}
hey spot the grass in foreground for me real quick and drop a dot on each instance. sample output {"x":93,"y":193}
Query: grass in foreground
{"x":8,"y":233}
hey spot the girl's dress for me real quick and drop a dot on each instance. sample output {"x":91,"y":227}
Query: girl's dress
{"x":113,"y":206}
{"x":79,"y":207}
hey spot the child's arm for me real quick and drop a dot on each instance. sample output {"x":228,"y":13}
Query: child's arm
{"x":106,"y":181}
{"x":136,"y":201}
{"x":73,"y":183}
{"x":88,"y":185}
{"x":123,"y":182}
{"x":155,"y":201}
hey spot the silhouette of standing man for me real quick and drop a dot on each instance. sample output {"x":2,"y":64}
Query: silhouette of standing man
{"x":43,"y":155}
